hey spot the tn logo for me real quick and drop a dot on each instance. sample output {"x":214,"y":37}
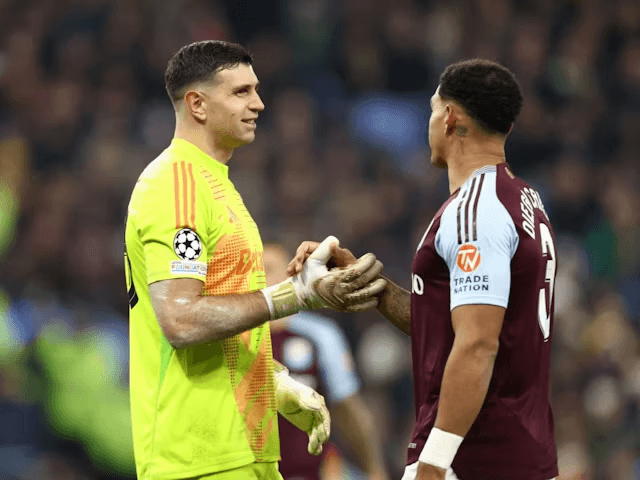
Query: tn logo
{"x":468,"y":258}
{"x":417,"y":284}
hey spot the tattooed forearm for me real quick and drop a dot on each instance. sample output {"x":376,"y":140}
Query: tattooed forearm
{"x":395,"y":305}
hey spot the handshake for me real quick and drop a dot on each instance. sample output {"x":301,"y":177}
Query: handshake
{"x":352,"y":286}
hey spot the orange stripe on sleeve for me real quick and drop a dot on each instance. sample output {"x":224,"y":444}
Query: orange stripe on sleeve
{"x":176,"y":190}
{"x":193,"y":197}
{"x":185,"y":194}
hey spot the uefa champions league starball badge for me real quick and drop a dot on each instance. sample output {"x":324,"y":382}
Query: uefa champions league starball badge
{"x":187,"y":244}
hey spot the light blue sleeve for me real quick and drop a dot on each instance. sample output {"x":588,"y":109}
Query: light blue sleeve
{"x":335,"y":360}
{"x":477,"y":239}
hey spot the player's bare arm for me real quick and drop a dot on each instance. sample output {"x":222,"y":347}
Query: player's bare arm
{"x":470,"y":365}
{"x":395,"y":305}
{"x":467,"y":373}
{"x":189,"y":318}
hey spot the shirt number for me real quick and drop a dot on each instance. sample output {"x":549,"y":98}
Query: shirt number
{"x":544,"y":300}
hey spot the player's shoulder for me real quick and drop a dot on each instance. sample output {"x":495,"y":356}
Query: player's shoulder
{"x":172,"y":170}
{"x":159,"y":169}
{"x":476,"y":196}
{"x":477,"y":210}
{"x":516,"y":194}
{"x":158,"y":181}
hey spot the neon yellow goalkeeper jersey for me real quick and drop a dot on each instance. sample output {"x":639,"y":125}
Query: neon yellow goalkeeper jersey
{"x":211,"y":407}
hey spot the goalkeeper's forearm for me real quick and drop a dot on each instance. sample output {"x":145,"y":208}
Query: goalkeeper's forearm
{"x":395,"y":305}
{"x":189,"y":320}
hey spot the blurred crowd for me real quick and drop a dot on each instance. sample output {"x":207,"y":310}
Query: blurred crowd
{"x":341,"y":149}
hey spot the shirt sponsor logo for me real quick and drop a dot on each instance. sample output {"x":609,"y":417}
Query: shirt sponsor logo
{"x":249,"y":261}
{"x":468,"y":258}
{"x":471,"y":283}
{"x":195,"y":268}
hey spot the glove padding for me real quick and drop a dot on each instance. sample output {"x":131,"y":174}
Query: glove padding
{"x":305,"y":408}
{"x":317,"y":287}
{"x":353,"y":288}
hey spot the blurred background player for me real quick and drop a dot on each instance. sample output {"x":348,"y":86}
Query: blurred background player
{"x":316,"y":352}
{"x":480,"y":312}
{"x":204,"y":397}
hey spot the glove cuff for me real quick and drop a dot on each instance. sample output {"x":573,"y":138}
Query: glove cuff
{"x":282,"y":299}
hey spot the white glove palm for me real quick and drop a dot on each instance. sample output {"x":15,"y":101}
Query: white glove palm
{"x":305,"y":408}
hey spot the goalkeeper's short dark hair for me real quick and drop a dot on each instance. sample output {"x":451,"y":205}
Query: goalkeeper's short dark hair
{"x":488,"y":91}
{"x":200,"y":61}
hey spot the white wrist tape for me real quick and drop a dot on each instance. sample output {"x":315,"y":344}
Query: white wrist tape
{"x":440,"y":449}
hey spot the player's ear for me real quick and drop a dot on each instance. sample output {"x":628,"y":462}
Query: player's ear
{"x":194,"y":102}
{"x":450,"y":119}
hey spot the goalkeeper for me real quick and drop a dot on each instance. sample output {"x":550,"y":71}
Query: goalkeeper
{"x":204,"y":395}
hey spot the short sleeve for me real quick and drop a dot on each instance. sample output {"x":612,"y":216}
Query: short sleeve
{"x":170,"y":211}
{"x":477,"y":239}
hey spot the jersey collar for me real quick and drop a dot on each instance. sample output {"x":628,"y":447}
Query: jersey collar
{"x":189,"y":150}
{"x":485,"y":169}
{"x":479,"y":171}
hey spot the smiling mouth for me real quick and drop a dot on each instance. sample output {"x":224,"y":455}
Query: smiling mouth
{"x":250,"y":122}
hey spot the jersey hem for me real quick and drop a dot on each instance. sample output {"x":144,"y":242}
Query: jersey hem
{"x":168,"y":276}
{"x":498,"y":302}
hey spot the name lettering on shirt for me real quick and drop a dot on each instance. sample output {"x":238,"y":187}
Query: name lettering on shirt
{"x":530,"y":200}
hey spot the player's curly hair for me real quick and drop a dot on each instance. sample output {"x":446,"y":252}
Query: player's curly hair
{"x":200,"y":61}
{"x":488,"y":91}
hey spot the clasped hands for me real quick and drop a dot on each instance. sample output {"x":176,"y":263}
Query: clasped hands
{"x":350,"y":285}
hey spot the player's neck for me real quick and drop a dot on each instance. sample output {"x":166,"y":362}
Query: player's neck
{"x":462,"y":163}
{"x":204,"y":142}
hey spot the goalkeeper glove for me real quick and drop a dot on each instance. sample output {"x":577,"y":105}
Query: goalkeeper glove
{"x":353,"y":288}
{"x":303,"y":407}
{"x":344,"y":289}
